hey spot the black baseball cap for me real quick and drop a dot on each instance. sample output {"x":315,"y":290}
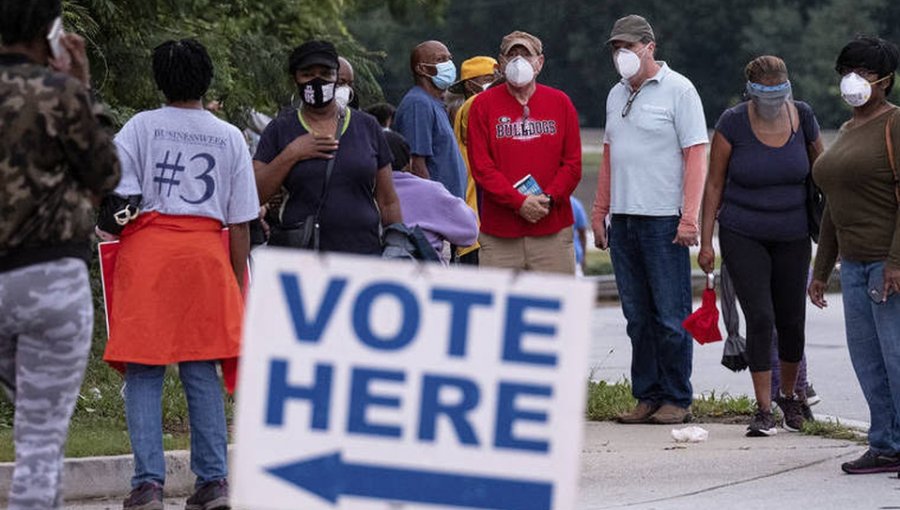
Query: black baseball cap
{"x":313,"y":53}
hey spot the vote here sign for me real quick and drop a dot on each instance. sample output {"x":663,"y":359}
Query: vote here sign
{"x":372,"y":384}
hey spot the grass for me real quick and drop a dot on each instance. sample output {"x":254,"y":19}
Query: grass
{"x":606,"y":400}
{"x":833,"y":430}
{"x":590,"y":162}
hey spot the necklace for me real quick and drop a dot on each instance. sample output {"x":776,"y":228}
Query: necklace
{"x":318,"y":127}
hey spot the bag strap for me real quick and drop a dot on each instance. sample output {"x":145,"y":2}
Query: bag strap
{"x":329,"y":167}
{"x":888,"y":139}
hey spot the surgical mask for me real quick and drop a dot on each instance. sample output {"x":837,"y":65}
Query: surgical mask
{"x":343,"y":95}
{"x":446,"y":75}
{"x":628,"y":63}
{"x":857,"y":90}
{"x":317,"y":92}
{"x":769,"y":99}
{"x":519,"y":72}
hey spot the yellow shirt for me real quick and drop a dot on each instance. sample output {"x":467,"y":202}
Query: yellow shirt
{"x":460,"y":129}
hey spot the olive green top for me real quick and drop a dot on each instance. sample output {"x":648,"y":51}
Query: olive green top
{"x":862,"y":218}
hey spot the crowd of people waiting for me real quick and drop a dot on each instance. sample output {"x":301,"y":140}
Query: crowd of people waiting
{"x":476,"y":169}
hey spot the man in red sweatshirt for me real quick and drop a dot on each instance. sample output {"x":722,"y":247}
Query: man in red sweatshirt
{"x":525,"y":155}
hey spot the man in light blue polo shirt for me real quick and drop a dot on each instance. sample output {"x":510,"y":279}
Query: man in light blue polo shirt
{"x":423,"y":121}
{"x":651,"y":181}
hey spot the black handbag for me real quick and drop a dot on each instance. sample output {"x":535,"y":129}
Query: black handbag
{"x":305,"y":234}
{"x":815,"y":207}
{"x":116,"y":211}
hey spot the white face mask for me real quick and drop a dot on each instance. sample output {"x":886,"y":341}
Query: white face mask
{"x":628,"y":63}
{"x":342,"y":95}
{"x":857,"y":90}
{"x":519,"y":72}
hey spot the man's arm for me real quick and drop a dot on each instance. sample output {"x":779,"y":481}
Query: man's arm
{"x":694,"y":177}
{"x":419,"y":167}
{"x":601,"y":201}
{"x":569,"y":173}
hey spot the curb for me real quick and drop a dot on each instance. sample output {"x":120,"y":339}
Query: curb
{"x":105,"y":477}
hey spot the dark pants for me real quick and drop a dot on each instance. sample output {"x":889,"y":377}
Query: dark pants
{"x":469,"y":259}
{"x":653,"y":276}
{"x":770,"y":282}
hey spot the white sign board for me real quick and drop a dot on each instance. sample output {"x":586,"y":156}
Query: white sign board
{"x":372,"y":384}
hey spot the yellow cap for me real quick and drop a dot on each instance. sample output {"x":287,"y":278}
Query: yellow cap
{"x":475,"y":67}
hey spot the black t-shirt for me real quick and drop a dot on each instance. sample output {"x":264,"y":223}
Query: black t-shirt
{"x":349,"y":220}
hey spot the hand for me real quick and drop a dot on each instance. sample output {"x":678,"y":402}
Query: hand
{"x":311,"y":146}
{"x":535,"y":208}
{"x":891,"y":281}
{"x":75,"y":64}
{"x":816,"y":293}
{"x":706,"y":259}
{"x":600,"y":240}
{"x":686,"y":236}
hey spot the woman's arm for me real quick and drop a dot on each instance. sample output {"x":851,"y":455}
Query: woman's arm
{"x":386,"y":197}
{"x":720,"y":154}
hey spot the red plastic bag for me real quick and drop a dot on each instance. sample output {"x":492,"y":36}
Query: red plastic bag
{"x":703,"y":324}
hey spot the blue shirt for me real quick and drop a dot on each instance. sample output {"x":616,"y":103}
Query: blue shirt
{"x":424,"y":122}
{"x":765,"y":187}
{"x":581,"y":223}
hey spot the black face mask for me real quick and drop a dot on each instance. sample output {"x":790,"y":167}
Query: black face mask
{"x":317,"y":92}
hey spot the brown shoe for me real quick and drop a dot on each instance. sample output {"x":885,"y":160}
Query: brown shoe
{"x":640,"y":414}
{"x":669,"y":414}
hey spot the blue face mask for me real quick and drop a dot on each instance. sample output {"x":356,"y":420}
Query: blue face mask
{"x":446,"y":75}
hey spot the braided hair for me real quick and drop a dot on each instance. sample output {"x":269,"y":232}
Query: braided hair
{"x":23,"y":21}
{"x":182,"y":70}
{"x":765,"y":67}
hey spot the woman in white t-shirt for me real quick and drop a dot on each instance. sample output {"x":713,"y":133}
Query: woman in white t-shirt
{"x":176,"y":294}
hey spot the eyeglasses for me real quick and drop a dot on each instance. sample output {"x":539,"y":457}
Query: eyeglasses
{"x":628,"y":103}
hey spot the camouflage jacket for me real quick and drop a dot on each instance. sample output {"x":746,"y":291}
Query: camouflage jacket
{"x":56,"y":156}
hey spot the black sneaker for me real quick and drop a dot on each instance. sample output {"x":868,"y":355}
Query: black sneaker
{"x":762,"y":425}
{"x":812,"y":398}
{"x":795,"y":412}
{"x":146,"y":496}
{"x":871,"y":462}
{"x":210,"y":496}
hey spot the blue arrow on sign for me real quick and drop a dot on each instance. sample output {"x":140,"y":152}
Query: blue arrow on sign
{"x":329,"y":477}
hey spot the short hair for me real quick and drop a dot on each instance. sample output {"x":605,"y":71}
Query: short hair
{"x":871,"y":53}
{"x":23,"y":21}
{"x":182,"y":69}
{"x":766,"y":66}
{"x":382,"y":111}
{"x":399,"y":150}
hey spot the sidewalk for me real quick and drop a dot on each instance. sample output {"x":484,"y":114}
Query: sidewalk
{"x":640,"y":466}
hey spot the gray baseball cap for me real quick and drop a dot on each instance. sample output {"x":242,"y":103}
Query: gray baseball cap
{"x":632,"y":29}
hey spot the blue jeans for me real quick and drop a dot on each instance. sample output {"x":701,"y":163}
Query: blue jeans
{"x":654,"y":280}
{"x":206,"y":409}
{"x":873,"y":339}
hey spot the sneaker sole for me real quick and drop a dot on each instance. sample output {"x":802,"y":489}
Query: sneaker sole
{"x":762,"y":432}
{"x":789,"y":428}
{"x":871,"y":471}
{"x":811,"y":401}
{"x":216,"y":504}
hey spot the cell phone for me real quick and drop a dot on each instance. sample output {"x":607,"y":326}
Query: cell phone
{"x":54,"y":39}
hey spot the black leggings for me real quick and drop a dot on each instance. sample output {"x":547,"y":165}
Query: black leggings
{"x":770,"y":282}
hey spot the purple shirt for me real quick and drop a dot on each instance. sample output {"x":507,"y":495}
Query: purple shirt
{"x":441,"y":215}
{"x":765,"y":187}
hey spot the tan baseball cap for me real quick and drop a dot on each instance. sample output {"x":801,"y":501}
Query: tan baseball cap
{"x":524,"y":39}
{"x":631,"y":29}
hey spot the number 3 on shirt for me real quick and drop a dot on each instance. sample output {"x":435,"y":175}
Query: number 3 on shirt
{"x":206,"y":178}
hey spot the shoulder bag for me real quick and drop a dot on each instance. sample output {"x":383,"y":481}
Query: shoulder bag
{"x":888,"y":140}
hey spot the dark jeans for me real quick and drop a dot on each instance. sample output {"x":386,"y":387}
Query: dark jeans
{"x":654,"y":280}
{"x":770,"y":282}
{"x":469,"y":259}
